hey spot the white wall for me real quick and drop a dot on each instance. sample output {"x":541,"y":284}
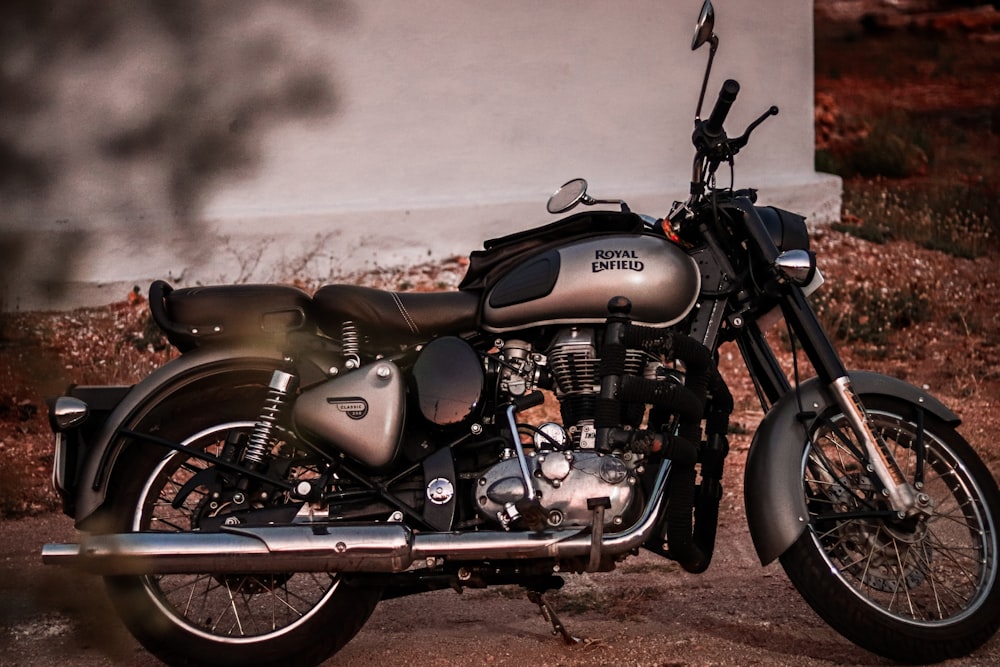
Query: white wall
{"x":453,"y":122}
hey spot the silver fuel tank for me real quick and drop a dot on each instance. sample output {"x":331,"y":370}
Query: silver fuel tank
{"x":573,"y":284}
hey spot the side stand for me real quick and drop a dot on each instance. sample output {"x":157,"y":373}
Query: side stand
{"x":550,"y":615}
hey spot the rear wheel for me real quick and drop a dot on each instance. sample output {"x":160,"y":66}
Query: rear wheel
{"x":285,"y":618}
{"x":916,"y":589}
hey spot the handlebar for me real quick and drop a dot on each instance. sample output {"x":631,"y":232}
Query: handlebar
{"x":727,"y":95}
{"x":711,"y":144}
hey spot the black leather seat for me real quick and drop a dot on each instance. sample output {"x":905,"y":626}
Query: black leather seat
{"x":382,"y":314}
{"x":196,"y":316}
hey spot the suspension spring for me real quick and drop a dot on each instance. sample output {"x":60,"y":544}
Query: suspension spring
{"x":350,"y":341}
{"x":262,"y":439}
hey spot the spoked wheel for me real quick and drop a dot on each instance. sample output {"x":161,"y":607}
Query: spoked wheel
{"x":921,"y":588}
{"x":291,"y":618}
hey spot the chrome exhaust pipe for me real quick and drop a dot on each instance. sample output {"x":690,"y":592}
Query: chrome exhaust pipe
{"x":362,"y":548}
{"x":385,"y":547}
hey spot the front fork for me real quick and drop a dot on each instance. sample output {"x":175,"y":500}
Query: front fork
{"x":901,"y":494}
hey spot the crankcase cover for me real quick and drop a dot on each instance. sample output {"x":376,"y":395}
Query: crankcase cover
{"x":360,"y":413}
{"x":565,"y":481}
{"x":573,"y":284}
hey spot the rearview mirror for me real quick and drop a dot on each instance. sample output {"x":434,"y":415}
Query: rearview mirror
{"x":567,"y":196}
{"x":705,"y":27}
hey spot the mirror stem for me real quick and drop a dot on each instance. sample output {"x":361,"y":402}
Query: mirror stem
{"x":714,"y":44}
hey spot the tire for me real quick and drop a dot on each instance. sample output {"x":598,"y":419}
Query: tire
{"x":917,"y":590}
{"x":235,"y":619}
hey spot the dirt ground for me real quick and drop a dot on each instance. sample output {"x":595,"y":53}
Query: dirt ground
{"x":648,"y":612}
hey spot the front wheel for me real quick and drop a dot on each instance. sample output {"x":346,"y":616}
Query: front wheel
{"x":289,"y":618}
{"x":917,"y":589}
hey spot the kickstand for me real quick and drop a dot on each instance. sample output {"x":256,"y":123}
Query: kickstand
{"x":550,"y":615}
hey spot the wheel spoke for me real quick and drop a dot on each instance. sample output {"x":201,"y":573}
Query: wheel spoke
{"x":901,"y":579}
{"x":232,"y":605}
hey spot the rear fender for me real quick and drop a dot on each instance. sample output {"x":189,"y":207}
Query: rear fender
{"x":208,"y":364}
{"x":775,"y":504}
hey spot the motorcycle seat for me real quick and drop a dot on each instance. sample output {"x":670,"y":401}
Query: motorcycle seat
{"x":386,"y":314}
{"x":196,"y":316}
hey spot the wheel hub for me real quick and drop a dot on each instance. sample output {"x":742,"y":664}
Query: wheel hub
{"x":887,"y":556}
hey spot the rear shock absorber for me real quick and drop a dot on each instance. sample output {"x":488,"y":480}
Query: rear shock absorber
{"x":281,"y":387}
{"x":350,"y":340}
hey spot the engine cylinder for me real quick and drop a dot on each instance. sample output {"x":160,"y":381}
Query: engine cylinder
{"x":574,"y":365}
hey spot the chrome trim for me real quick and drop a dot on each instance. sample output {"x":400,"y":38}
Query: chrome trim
{"x":901,"y":494}
{"x":59,"y":458}
{"x":797,"y":266}
{"x":68,"y":412}
{"x":529,"y":485}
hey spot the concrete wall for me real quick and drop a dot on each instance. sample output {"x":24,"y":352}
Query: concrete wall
{"x":279,"y":140}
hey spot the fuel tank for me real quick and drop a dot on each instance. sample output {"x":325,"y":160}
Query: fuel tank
{"x":573,"y":284}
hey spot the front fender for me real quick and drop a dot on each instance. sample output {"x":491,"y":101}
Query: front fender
{"x":165,"y":382}
{"x":775,"y":504}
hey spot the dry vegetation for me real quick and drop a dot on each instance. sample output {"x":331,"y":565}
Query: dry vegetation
{"x":912,"y":284}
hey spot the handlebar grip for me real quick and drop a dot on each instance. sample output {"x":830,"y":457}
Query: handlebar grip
{"x":730,"y":89}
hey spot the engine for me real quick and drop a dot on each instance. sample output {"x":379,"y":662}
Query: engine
{"x":561,"y":459}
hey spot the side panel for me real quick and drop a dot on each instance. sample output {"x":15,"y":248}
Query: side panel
{"x":163,"y":383}
{"x":360,"y":413}
{"x":775,"y":505}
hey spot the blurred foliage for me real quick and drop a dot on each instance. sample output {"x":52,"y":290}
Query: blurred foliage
{"x":867,"y":313}
{"x":133,"y":113}
{"x":958,"y":219}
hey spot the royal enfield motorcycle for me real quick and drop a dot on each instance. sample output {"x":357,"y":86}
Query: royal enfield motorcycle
{"x":303,"y":457}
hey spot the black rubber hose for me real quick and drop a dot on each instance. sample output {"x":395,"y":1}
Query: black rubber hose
{"x":673,"y":397}
{"x":720,"y":405}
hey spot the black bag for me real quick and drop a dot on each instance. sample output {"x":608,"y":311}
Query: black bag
{"x":489,"y":265}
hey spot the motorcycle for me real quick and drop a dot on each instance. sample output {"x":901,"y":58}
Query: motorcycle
{"x":252,"y":500}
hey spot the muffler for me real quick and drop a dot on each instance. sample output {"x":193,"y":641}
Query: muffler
{"x":344,"y":548}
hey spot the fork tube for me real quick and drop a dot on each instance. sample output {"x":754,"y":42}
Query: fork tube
{"x":768,"y":377}
{"x":831,"y":372}
{"x":808,"y":329}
